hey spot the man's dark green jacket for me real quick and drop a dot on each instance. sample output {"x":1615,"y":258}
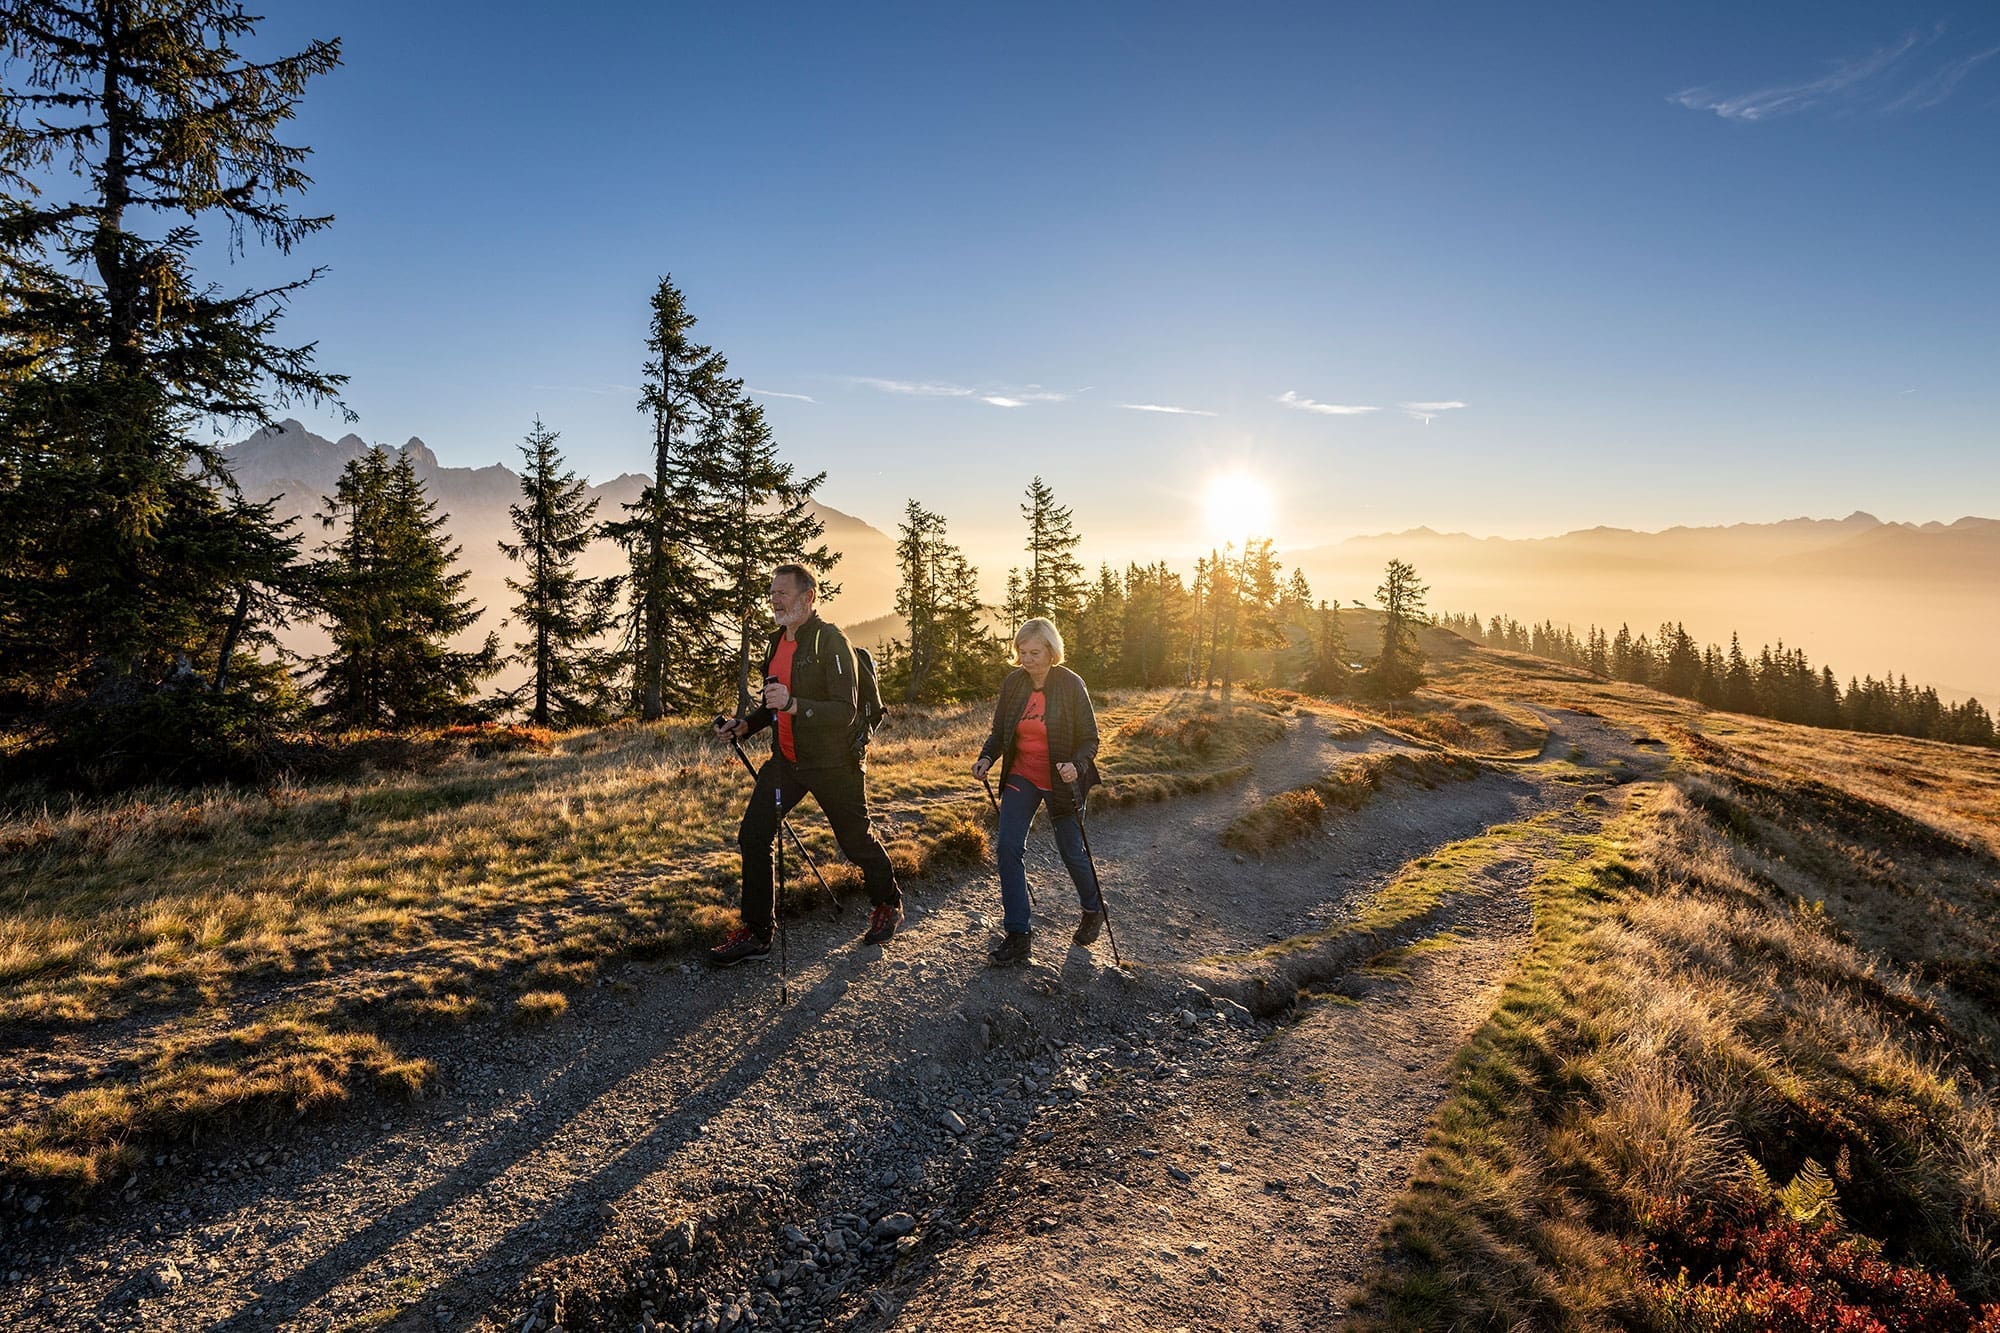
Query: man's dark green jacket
{"x":825,"y":684}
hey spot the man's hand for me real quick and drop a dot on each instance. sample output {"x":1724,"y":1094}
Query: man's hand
{"x":981,"y":766}
{"x":731,"y":728}
{"x":776,"y":696}
{"x":1067,"y":772}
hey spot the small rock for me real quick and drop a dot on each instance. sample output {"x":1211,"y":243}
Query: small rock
{"x":1179,"y":1174}
{"x":952,"y":1121}
{"x":1196,"y":1247}
{"x":894,"y":1225}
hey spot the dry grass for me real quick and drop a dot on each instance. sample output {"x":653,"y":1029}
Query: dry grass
{"x":1750,"y":1069}
{"x":427,"y":890}
{"x":1292,"y":816}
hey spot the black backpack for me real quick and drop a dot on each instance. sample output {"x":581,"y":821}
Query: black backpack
{"x":868,"y":709}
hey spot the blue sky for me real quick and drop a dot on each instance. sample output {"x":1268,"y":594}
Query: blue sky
{"x":1685,"y":264}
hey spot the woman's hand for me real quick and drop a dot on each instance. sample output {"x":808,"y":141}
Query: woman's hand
{"x":980,"y":767}
{"x":1067,"y":772}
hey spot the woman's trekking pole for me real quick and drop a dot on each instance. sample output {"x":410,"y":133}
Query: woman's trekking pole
{"x":786,"y":824}
{"x":996,"y":833}
{"x":1103,"y":903}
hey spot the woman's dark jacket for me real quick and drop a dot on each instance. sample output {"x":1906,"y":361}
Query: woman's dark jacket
{"x":1071,"y":721}
{"x":824,"y":683}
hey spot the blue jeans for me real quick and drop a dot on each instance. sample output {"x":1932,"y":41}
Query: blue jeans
{"x":1018,"y":800}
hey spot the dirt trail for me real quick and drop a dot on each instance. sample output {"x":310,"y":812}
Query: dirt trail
{"x":915,"y":1140}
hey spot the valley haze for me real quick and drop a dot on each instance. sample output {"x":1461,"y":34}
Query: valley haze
{"x":1857,"y":594}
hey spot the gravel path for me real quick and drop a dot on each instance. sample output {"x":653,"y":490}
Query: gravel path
{"x":914,"y":1140}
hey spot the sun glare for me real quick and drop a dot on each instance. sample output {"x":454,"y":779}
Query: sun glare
{"x":1238,"y":506}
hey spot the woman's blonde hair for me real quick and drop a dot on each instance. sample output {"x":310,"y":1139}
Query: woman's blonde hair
{"x":1041,"y":627}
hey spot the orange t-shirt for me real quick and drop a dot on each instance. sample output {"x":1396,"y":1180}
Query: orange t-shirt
{"x":1031,"y":742}
{"x":780,"y":666}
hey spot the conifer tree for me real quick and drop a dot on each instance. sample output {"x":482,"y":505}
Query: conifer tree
{"x":1051,"y":584}
{"x":387,"y":584}
{"x":1158,"y":626}
{"x":125,"y":556}
{"x":1399,"y":668}
{"x":1251,"y":620}
{"x":565,"y":614}
{"x":674,"y":608}
{"x":948,"y":654}
{"x":1330,"y":673}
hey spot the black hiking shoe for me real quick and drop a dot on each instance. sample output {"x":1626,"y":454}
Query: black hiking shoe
{"x":882,"y":923}
{"x":1088,"y":928}
{"x":1014,"y":948}
{"x":742,"y":946}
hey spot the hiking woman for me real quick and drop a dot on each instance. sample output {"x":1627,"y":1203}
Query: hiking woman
{"x":1045,"y":740}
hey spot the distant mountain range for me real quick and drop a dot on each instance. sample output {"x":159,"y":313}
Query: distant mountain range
{"x":1857,"y":594}
{"x":289,"y":463}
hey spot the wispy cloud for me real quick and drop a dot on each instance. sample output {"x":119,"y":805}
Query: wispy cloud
{"x":1905,"y":75}
{"x":1290,"y":398}
{"x":994,"y":397}
{"x":773,"y":393}
{"x":1425,"y":411}
{"x":1172,"y":411}
{"x":911,"y":388}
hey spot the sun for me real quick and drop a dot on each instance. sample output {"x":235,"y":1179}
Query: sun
{"x":1237,"y":506}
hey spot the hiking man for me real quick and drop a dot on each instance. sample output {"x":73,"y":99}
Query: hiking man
{"x":808,"y":701}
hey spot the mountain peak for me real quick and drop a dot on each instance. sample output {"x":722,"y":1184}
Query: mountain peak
{"x":420,"y":453}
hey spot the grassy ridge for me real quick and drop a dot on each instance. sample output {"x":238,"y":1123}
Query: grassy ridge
{"x":1742,"y":1079}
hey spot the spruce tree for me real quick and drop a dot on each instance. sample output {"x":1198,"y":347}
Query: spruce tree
{"x":948,"y":654}
{"x":1399,"y":668}
{"x":387,"y":585}
{"x":564,"y":614}
{"x":126,"y":558}
{"x":1051,"y":584}
{"x":1330,"y":673}
{"x":673,"y":644}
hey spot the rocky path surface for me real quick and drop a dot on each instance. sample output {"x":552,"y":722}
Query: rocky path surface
{"x":911,"y":1140}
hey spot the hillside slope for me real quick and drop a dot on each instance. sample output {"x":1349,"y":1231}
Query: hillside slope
{"x":1211,"y":1137}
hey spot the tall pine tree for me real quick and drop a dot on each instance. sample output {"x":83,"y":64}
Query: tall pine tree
{"x":672,"y":638}
{"x":1399,"y":668}
{"x":125,"y":556}
{"x":564,"y":614}
{"x":1051,"y":583}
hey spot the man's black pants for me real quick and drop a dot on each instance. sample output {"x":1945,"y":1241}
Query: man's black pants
{"x":782,"y":785}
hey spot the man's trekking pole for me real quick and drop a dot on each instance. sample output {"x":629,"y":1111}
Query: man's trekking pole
{"x":996,"y":819}
{"x":786,"y":824}
{"x":1103,"y":903}
{"x":778,"y":907}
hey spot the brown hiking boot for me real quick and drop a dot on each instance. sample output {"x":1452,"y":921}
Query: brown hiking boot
{"x":1015,"y":948}
{"x":1088,"y":928}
